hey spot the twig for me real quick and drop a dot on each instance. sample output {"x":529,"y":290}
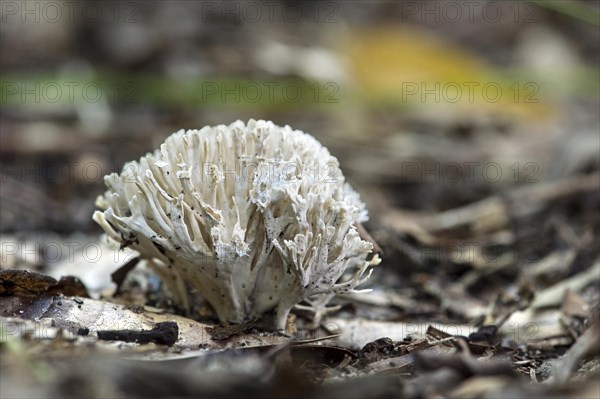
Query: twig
{"x":496,"y":208}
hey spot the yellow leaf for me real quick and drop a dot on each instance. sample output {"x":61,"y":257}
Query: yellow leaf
{"x":410,"y":66}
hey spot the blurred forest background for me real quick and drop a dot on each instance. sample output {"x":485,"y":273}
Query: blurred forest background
{"x":465,"y":126}
{"x":396,"y":90}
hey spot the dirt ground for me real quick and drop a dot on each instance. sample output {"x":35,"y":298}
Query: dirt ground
{"x":470,"y":129}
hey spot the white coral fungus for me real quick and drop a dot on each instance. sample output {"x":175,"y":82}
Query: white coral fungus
{"x":254,"y":217}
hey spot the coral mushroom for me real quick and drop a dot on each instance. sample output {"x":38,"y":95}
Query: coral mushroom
{"x":254,"y":217}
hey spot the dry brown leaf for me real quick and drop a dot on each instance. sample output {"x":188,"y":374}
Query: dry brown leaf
{"x":74,"y":314}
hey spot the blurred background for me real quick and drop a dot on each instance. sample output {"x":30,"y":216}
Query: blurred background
{"x":470,"y":128}
{"x":428,"y":105}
